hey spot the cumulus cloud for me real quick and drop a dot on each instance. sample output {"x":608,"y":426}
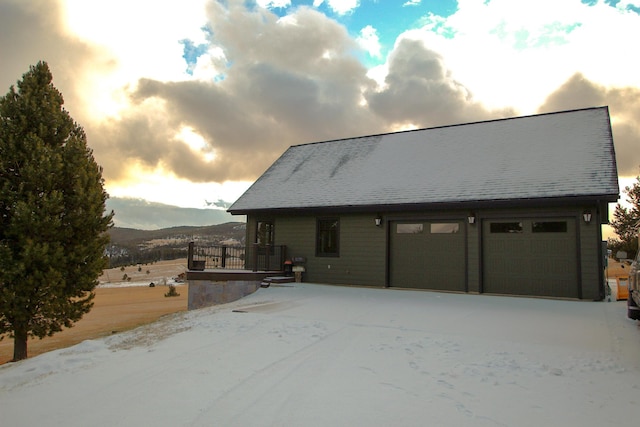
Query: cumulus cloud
{"x":515,"y":53}
{"x":369,"y":40}
{"x":289,"y":82}
{"x":273,"y":3}
{"x":33,"y":31}
{"x":624,"y":108}
{"x":250,"y":83}
{"x":340,"y":7}
{"x":419,"y":90}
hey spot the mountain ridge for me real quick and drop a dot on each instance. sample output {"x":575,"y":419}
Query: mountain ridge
{"x":140,"y":214}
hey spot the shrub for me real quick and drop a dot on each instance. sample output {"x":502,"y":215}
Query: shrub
{"x":172,"y":292}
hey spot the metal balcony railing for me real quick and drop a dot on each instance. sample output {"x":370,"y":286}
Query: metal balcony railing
{"x":260,"y":257}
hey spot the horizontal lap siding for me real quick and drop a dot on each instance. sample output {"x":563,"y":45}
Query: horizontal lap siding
{"x":297,"y":234}
{"x":590,"y":252}
{"x":473,"y":257}
{"x":362,"y":249}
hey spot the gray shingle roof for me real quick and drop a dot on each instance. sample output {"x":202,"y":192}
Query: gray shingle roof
{"x":564,"y":154}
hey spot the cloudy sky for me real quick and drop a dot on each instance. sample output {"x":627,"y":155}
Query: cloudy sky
{"x":187,"y":102}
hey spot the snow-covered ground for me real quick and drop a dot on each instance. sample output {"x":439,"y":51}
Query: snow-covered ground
{"x":162,"y":282}
{"x":315,"y":355}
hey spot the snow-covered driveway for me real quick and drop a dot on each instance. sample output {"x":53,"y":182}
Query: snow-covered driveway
{"x":315,"y":355}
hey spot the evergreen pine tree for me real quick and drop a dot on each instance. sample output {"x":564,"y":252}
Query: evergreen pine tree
{"x":626,"y":222}
{"x":52,"y":213}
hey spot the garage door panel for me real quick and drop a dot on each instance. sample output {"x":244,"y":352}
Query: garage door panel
{"x":530,"y":257}
{"x":554,"y":267}
{"x":427,"y":255}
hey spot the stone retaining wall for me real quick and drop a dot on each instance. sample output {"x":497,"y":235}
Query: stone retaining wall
{"x":205,"y":293}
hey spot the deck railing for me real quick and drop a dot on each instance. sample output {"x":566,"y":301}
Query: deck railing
{"x":261,"y":257}
{"x":268,"y":257}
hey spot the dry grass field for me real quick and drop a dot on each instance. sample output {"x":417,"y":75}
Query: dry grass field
{"x":119,"y":306}
{"x":616,"y":269}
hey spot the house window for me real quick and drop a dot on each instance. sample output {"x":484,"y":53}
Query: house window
{"x":328,"y":237}
{"x":506,"y":227}
{"x":264,"y":233}
{"x":444,"y":228}
{"x":549,"y":227}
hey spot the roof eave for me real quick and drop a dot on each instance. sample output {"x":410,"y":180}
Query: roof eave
{"x":452,"y":205}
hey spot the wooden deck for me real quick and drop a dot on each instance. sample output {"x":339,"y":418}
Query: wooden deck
{"x":220,"y":275}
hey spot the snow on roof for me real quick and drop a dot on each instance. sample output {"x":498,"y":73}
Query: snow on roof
{"x":564,"y":154}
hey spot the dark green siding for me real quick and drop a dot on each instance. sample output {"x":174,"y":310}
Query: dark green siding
{"x":473,"y":257}
{"x":591,"y":260}
{"x":473,"y":261}
{"x":361,"y":260}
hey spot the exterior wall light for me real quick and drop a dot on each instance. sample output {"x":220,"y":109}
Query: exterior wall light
{"x":472,"y":218}
{"x":378,"y":221}
{"x":586,"y":215}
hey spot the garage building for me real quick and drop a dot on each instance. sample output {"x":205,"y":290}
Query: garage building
{"x":511,"y":206}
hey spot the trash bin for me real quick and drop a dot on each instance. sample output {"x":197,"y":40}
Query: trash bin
{"x":288,"y":268}
{"x":623,"y":287}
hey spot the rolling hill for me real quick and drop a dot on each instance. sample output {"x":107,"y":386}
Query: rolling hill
{"x":134,"y":246}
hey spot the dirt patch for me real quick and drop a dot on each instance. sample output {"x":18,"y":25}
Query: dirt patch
{"x":118,"y":307}
{"x":156,"y":272}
